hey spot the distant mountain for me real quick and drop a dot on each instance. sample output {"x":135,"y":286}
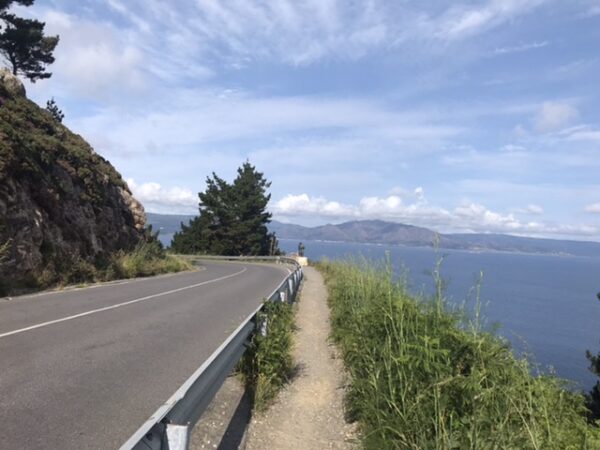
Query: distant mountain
{"x":503,"y":242}
{"x":365,"y":231}
{"x":381,"y":232}
{"x":167,"y":223}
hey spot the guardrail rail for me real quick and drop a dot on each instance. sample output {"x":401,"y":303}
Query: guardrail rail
{"x":171,"y":425}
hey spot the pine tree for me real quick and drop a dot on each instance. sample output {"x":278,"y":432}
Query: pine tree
{"x":233,"y":218}
{"x":23,"y":43}
{"x":217,"y":217}
{"x":53,"y":109}
{"x":250,"y":193}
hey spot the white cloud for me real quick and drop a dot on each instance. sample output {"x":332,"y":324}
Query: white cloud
{"x":466,"y":217}
{"x":303,"y":204}
{"x":94,"y":59}
{"x":530,"y":209}
{"x":534,"y":209}
{"x":582,"y":133}
{"x":156,"y":198}
{"x":296,"y":33}
{"x":196,"y":117}
{"x":461,"y":21}
{"x":593,"y":208}
{"x":189,"y":40}
{"x":553,"y":116}
{"x":520,"y":48}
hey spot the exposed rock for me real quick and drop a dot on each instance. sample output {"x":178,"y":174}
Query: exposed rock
{"x":13,"y":85}
{"x":136,"y":208}
{"x":61,"y":204}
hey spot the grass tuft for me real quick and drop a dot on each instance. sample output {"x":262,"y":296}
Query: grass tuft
{"x":267,"y":364}
{"x":423,"y":376}
{"x":146,"y":259}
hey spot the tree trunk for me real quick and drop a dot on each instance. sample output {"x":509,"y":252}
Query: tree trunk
{"x":14,"y":65}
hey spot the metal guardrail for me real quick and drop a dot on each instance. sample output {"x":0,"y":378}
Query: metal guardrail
{"x":171,"y":425}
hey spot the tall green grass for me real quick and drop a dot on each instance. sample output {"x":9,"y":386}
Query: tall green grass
{"x":423,"y":376}
{"x":267,"y":364}
{"x":146,"y":259}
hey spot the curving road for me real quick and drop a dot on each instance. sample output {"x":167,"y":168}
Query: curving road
{"x":83,"y":369}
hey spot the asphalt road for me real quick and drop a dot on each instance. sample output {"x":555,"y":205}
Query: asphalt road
{"x":84,"y":369}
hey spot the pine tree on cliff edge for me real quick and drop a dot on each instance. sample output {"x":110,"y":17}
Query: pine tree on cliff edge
{"x":233,"y":218}
{"x":23,"y":43}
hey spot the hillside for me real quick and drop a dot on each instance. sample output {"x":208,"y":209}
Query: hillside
{"x":366,"y":231}
{"x":381,"y":232}
{"x":63,"y":207}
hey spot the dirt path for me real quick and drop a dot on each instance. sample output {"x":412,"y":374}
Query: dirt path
{"x":308,"y":414}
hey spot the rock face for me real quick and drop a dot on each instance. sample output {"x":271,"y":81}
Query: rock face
{"x":61,"y":204}
{"x":11,"y":83}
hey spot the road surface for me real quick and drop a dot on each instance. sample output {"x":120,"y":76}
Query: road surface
{"x":85,"y":368}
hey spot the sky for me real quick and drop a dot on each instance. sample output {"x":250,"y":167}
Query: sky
{"x":462,"y":116}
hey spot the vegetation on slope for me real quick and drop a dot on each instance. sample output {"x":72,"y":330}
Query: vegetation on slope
{"x":422,"y":376}
{"x":32,"y":142}
{"x":66,"y":215}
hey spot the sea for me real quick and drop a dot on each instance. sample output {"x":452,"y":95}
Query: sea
{"x":545,"y":305}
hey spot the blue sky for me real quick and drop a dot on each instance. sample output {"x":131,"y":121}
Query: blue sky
{"x":464,"y":116}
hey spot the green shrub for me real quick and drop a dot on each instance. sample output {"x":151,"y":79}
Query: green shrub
{"x":267,"y":364}
{"x":424,"y":377}
{"x":148,"y":258}
{"x":80,"y":271}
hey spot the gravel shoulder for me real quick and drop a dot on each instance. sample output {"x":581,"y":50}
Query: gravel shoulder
{"x":308,"y":413}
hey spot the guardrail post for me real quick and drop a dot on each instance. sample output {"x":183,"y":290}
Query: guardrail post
{"x":291,"y":290}
{"x":178,"y":437}
{"x":263,"y":327}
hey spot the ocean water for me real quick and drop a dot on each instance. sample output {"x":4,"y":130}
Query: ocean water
{"x":545,"y":305}
{"x":166,"y":238}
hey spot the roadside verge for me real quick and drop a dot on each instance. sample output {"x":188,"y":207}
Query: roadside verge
{"x":308,"y":413}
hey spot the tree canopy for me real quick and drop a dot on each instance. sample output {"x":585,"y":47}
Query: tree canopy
{"x":23,"y":43}
{"x":233,"y":218}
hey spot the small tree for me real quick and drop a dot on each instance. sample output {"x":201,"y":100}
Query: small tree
{"x":53,"y":109}
{"x":23,"y":44}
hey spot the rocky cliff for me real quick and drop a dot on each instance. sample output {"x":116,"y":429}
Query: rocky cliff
{"x":61,"y":204}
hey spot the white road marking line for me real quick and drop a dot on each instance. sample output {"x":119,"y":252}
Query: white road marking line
{"x":119,"y":305}
{"x":101,"y":284}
